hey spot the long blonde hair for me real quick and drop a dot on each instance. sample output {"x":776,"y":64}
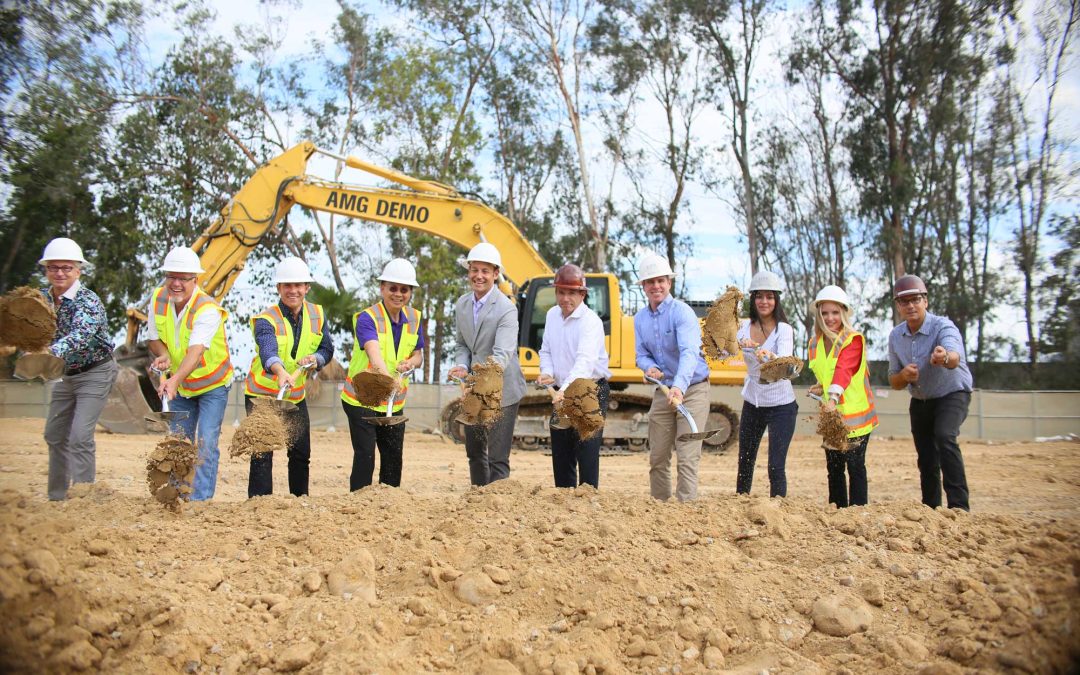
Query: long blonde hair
{"x":819,"y":324}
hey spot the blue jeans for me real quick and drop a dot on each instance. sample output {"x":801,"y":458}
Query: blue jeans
{"x":780,"y":420}
{"x":202,"y":426}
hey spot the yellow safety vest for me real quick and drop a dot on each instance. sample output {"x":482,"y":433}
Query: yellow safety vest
{"x":259,"y":381}
{"x":410,"y":334}
{"x":857,"y":401}
{"x":214,"y":369}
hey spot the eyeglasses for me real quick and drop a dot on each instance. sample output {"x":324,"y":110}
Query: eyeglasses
{"x":910,"y":300}
{"x":404,"y":290}
{"x":183,"y":280}
{"x":54,"y":269}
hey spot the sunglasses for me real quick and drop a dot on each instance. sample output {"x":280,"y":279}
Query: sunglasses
{"x":394,"y":288}
{"x":911,"y":300}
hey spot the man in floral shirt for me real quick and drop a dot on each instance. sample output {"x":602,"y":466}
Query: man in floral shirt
{"x":84,"y":343}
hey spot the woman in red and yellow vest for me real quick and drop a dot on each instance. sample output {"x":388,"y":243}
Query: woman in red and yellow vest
{"x":389,"y":340}
{"x":186,"y":335}
{"x":292,"y":342}
{"x":837,"y":356}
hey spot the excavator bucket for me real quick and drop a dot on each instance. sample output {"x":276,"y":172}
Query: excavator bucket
{"x":126,"y":407}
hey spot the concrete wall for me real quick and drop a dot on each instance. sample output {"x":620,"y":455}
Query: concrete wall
{"x":996,"y":415}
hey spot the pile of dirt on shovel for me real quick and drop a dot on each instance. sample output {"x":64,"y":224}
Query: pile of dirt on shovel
{"x":721,"y":325}
{"x":831,"y":427}
{"x":262,"y":431}
{"x":170,"y":470}
{"x":780,"y":368}
{"x":373,"y":388}
{"x":27,"y":320}
{"x":581,"y":408}
{"x":482,"y":403}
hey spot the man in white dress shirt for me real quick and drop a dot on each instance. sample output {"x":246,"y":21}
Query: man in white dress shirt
{"x":573,"y":348}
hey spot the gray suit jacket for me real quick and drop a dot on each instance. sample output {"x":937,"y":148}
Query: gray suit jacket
{"x":495,"y":333}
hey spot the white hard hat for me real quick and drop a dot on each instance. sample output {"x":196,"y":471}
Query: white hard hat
{"x":766,"y":281}
{"x":182,"y":259}
{"x":292,"y":270}
{"x":651,"y":266}
{"x":485,"y":252}
{"x":400,"y":271}
{"x":832,"y":294}
{"x":62,"y":248}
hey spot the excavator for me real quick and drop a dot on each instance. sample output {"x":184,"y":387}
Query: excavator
{"x":437,"y":209}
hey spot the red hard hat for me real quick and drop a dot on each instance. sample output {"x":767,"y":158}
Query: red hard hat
{"x":909,"y":284}
{"x":572,"y":277}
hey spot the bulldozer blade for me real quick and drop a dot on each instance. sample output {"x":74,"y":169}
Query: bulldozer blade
{"x":46,"y":366}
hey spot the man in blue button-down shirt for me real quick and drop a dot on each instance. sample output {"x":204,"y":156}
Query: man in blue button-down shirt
{"x":667,"y":341}
{"x":926,"y":355}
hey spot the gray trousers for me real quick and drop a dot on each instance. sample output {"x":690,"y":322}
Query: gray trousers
{"x":76,"y":404}
{"x":665,"y":425}
{"x":489,"y":449}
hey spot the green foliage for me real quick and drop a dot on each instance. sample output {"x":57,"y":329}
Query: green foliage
{"x":1060,"y":332}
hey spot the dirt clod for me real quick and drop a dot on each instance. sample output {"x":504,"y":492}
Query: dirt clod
{"x":27,"y":320}
{"x":262,"y":431}
{"x":833,"y":431}
{"x":170,"y":470}
{"x":482,"y":402}
{"x":721,"y":325}
{"x":373,"y":388}
{"x":581,"y":408}
{"x":781,"y":368}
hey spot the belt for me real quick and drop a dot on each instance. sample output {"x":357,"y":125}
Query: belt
{"x":82,"y":369}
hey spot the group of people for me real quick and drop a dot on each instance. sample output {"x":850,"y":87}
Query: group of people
{"x":186,"y":336}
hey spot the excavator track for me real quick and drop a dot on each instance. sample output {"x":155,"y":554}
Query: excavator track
{"x":626,"y":429}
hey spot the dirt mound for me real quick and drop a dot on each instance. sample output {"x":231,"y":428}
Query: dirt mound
{"x":581,"y":408}
{"x":831,"y":428}
{"x":373,"y":388}
{"x":482,"y":402}
{"x":721,"y":325}
{"x":781,"y":368}
{"x":170,"y":470}
{"x":27,"y":320}
{"x":262,"y":431}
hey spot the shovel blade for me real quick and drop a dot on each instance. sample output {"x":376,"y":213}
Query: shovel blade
{"x":386,"y":421}
{"x":284,"y":406}
{"x":699,"y":436}
{"x":166,"y":416}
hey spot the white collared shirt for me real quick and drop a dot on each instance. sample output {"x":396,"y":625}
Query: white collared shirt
{"x":202,"y":331}
{"x":73,"y":291}
{"x":780,"y":342}
{"x":573,"y":347}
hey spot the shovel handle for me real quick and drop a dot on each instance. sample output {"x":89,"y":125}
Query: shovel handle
{"x":162,"y":376}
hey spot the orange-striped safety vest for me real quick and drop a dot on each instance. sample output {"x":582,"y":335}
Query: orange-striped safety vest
{"x":410,"y":335}
{"x":214,"y":369}
{"x":262,"y":383}
{"x":857,"y":401}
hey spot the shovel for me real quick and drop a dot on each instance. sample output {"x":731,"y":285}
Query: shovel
{"x":462,"y":418}
{"x":792,"y":372}
{"x":281,"y":403}
{"x":559,"y":421}
{"x":694,"y":434}
{"x":43,"y":365}
{"x":389,"y":420}
{"x":165,"y":415}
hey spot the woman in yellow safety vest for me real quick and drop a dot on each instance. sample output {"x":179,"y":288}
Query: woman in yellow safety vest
{"x":837,"y":355}
{"x":389,"y":340}
{"x":292,"y":340}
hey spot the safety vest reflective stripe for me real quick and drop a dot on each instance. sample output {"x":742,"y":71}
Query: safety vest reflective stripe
{"x":262,"y":383}
{"x":407,"y":344}
{"x":215,"y":368}
{"x":857,"y":400}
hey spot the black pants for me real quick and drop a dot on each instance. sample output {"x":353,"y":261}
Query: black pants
{"x":935,"y":424}
{"x":298,"y":447}
{"x":571,"y":456}
{"x":780,"y":420}
{"x":854,"y":460}
{"x":488,"y":450}
{"x":365,"y":436}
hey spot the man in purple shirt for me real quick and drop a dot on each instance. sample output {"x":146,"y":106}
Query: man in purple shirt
{"x":667,"y":341}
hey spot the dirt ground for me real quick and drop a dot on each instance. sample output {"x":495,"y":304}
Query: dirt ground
{"x":521,"y":577}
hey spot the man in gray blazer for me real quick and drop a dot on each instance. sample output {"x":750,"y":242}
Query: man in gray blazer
{"x":487,"y":325}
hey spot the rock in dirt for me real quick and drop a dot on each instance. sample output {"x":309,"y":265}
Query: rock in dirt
{"x":831,"y":428}
{"x":581,"y":408}
{"x":721,"y":325}
{"x":295,"y":657}
{"x":262,"y":431}
{"x":27,"y":320}
{"x":354,"y":576}
{"x":475,"y":588}
{"x":170,"y":470}
{"x":482,"y":402}
{"x":841,"y":615}
{"x":373,"y":388}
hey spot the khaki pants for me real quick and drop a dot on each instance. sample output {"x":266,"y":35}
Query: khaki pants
{"x":665,"y":425}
